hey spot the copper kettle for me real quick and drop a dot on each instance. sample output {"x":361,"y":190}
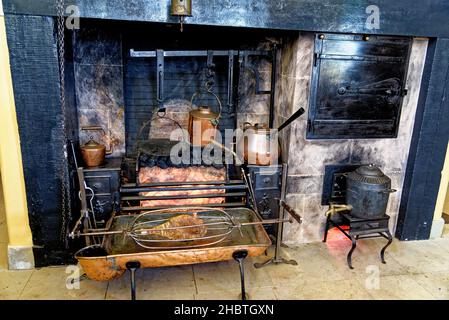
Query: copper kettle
{"x":93,"y":152}
{"x":203,"y":123}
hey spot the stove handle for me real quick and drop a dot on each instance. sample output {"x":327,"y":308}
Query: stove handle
{"x":291,"y":211}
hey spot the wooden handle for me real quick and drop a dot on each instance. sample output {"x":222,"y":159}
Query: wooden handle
{"x":291,"y":211}
{"x":92,"y":128}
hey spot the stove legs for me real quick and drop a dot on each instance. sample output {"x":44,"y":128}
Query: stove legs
{"x":132,"y":266}
{"x":328,"y":222}
{"x":382,"y":252}
{"x":240,"y":256}
{"x":349,"y":257}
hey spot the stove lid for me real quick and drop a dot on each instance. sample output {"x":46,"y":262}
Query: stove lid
{"x":370,"y":170}
{"x":369,"y":174}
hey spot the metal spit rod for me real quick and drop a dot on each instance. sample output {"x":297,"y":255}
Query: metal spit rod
{"x":143,"y":189}
{"x":144,"y":226}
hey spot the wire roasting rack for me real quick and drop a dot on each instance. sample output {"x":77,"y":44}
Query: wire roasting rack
{"x":190,"y":227}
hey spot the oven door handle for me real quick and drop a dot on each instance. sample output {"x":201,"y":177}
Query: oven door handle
{"x":291,"y":211}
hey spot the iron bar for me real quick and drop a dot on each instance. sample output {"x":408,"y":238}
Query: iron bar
{"x":194,"y":53}
{"x":273,"y":85}
{"x":230,"y":85}
{"x":150,"y":189}
{"x":209,"y":205}
{"x":211,"y":195}
{"x":160,"y":77}
{"x":164,"y":184}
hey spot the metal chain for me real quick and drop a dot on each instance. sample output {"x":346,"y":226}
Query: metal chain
{"x":65,"y":206}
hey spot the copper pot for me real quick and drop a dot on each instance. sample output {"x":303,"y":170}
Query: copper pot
{"x":93,"y":153}
{"x":202,"y":126}
{"x":203,"y":122}
{"x":260,"y":147}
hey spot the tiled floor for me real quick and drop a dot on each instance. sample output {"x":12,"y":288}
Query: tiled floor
{"x":414,"y":270}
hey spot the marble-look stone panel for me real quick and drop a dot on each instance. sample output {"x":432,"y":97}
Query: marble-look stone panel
{"x":99,"y":93}
{"x":389,"y":155}
{"x":304,"y":56}
{"x":286,"y":95}
{"x":394,"y":201}
{"x":97,"y":55}
{"x":301,"y":96}
{"x":313,"y":221}
{"x":296,"y":201}
{"x":97,"y":46}
{"x":304,"y":184}
{"x":309,"y":157}
{"x":289,"y":53}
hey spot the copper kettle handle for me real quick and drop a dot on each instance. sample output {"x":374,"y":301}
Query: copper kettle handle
{"x":98,"y":128}
{"x":211,"y":93}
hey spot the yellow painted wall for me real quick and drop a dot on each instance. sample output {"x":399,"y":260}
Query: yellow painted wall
{"x":443,"y":194}
{"x":446,"y":202}
{"x":19,"y":233}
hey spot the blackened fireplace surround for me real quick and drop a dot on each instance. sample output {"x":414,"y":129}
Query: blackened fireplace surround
{"x":32,"y":43}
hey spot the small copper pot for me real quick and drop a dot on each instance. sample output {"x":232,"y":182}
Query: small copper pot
{"x":93,"y":153}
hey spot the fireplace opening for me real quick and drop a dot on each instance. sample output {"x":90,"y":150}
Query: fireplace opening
{"x":114,"y":98}
{"x":130,"y":85}
{"x":125,"y":96}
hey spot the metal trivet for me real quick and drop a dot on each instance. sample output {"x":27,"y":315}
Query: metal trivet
{"x":360,"y":229}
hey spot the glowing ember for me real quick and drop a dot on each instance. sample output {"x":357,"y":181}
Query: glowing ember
{"x":188,"y":174}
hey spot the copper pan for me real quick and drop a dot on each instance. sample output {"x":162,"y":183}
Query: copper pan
{"x":103,"y":263}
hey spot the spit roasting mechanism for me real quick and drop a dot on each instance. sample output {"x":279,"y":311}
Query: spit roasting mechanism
{"x":189,"y":227}
{"x":182,"y":226}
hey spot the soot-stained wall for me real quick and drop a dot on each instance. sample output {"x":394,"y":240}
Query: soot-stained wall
{"x":307,"y":158}
{"x":118,"y":92}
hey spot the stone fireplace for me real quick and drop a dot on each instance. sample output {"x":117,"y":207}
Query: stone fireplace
{"x":106,"y":87}
{"x":109,"y":90}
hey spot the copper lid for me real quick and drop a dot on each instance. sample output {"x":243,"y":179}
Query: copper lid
{"x":93,"y":145}
{"x":204,"y":112}
{"x":259,"y":128}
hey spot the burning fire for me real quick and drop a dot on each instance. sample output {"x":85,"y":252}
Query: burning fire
{"x":187,"y":174}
